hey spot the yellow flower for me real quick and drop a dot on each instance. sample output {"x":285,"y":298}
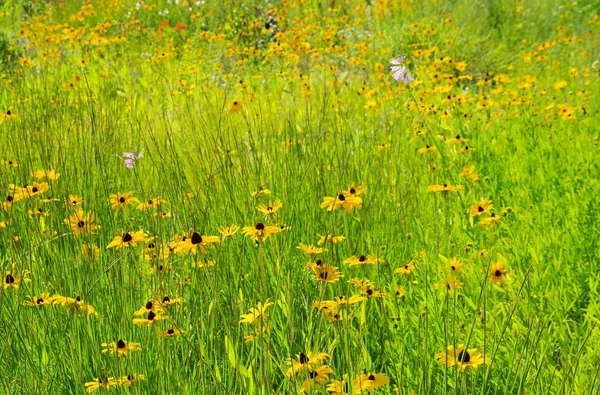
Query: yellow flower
{"x":37,"y":301}
{"x":326,"y":273}
{"x":49,"y":174}
{"x":330,"y":239}
{"x":122,"y":200}
{"x":260,"y":231}
{"x":490,"y":221}
{"x":11,"y":163}
{"x":90,"y":250}
{"x":256,"y":313}
{"x":152,"y":203}
{"x":482,"y":207}
{"x":348,"y":203}
{"x":372,"y":381}
{"x":462,"y":358}
{"x":192,"y":242}
{"x":128,"y":239}
{"x":354,"y":191}
{"x":13,"y":279}
{"x":101,"y":383}
{"x":559,"y":85}
{"x":230,"y":231}
{"x":426,"y":149}
{"x":498,"y":273}
{"x":406,"y":269}
{"x":130,"y":379}
{"x":457,"y":140}
{"x":171,"y":332}
{"x":363,"y":260}
{"x":234,"y":107}
{"x":311,"y":249}
{"x":150,"y":306}
{"x":39,"y":211}
{"x":75,"y":200}
{"x":121,"y":347}
{"x":261,"y":191}
{"x":75,"y":305}
{"x":271,"y":208}
{"x":318,"y":376}
{"x":454,"y":266}
{"x":81,"y":223}
{"x":304,"y":362}
{"x":444,"y":188}
{"x":150,"y":319}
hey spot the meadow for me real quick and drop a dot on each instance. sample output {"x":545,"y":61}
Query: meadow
{"x":300,"y":196}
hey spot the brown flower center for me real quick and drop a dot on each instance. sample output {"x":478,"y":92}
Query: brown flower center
{"x":126,"y":237}
{"x":196,"y":238}
{"x":464,"y":356}
{"x":303,"y":358}
{"x":80,"y":224}
{"x":9,"y":279}
{"x":121,"y":344}
{"x":259,"y":226}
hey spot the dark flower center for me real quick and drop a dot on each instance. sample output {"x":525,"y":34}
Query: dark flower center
{"x":371,"y":377}
{"x":129,"y":377}
{"x":480,"y":209}
{"x":464,"y":356}
{"x":121,"y":344}
{"x":362,"y":258}
{"x":493,"y":216}
{"x":39,"y":301}
{"x":166,"y":299}
{"x":9,"y":198}
{"x":151,"y":246}
{"x":457,"y":137}
{"x":34,"y":189}
{"x":341,"y":197}
{"x":319,"y":262}
{"x":453,"y":267}
{"x":497,"y":273}
{"x":445,"y":185}
{"x":121,"y":199}
{"x":171,"y":331}
{"x":406,"y":267}
{"x":336,"y":316}
{"x":149,"y":305}
{"x":126,"y":237}
{"x":269,"y":208}
{"x":10,"y":279}
{"x":324,"y":275}
{"x":352,"y":191}
{"x":81,"y":224}
{"x":196,"y":238}
{"x":303,"y":358}
{"x":313,"y":374}
{"x":150,"y":202}
{"x":74,"y":202}
{"x":259,"y":226}
{"x":151,"y":316}
{"x":78,"y":298}
{"x":369,"y":292}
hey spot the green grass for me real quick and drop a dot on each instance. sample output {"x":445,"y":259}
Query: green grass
{"x":167,"y":93}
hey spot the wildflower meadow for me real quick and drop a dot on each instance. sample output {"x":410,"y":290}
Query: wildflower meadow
{"x":300,"y":196}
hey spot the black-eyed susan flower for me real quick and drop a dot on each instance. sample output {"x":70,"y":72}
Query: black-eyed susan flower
{"x":167,"y":301}
{"x":457,"y":140}
{"x":234,"y":106}
{"x":74,"y":200}
{"x":400,"y":292}
{"x":164,"y":214}
{"x":229,"y":231}
{"x":260,"y":231}
{"x":304,"y":362}
{"x":481,"y":207}
{"x":36,"y":189}
{"x":105,"y":383}
{"x":13,"y":278}
{"x":82,"y":223}
{"x":120,"y":201}
{"x":490,"y":221}
{"x":454,"y":266}
{"x":150,"y":204}
{"x":354,"y":190}
{"x":37,"y":301}
{"x":131,"y":379}
{"x":316,"y":377}
{"x":11,"y":163}
{"x":444,"y":188}
{"x":326,"y":273}
{"x":498,"y":273}
{"x":372,"y":381}
{"x":120,"y":347}
{"x":160,"y":268}
{"x":362,"y":260}
{"x":171,"y":332}
{"x":74,"y":305}
{"x":128,"y":239}
{"x":261,"y":191}
{"x":150,"y":306}
{"x":462,"y":358}
{"x":311,"y":249}
{"x":271,"y":208}
{"x":256,"y":313}
{"x":470,"y":172}
{"x":150,"y":319}
{"x":406,"y":269}
{"x":451,"y":284}
{"x":192,"y":242}
{"x":40,"y":212}
{"x":330,"y":239}
{"x":349,"y":203}
{"x":427,"y":149}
